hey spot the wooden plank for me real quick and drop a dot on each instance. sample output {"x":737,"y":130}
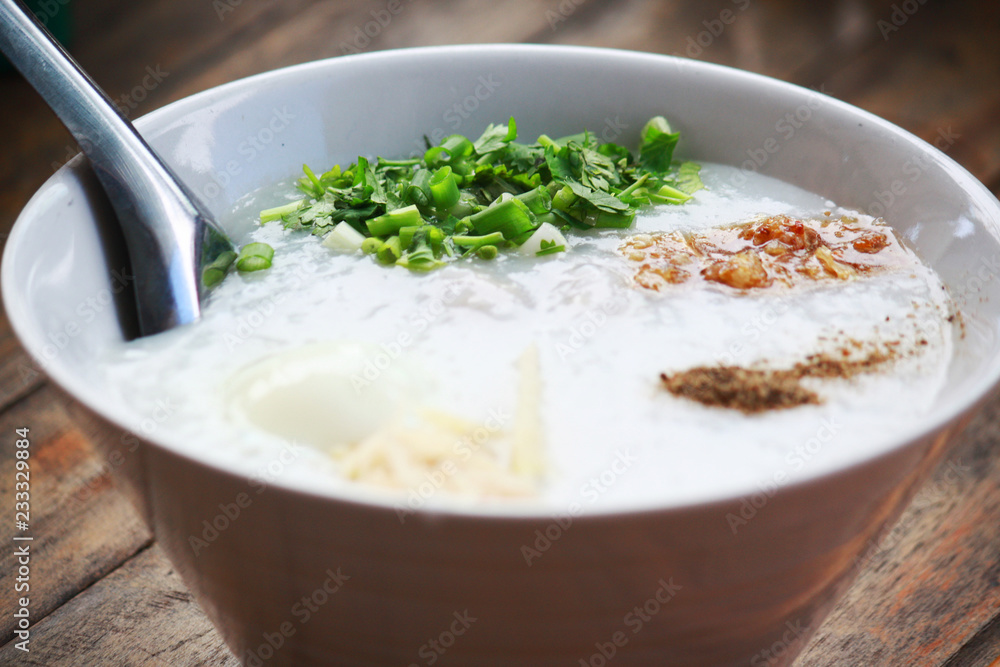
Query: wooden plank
{"x":325,"y":30}
{"x":926,"y":77}
{"x":82,"y":527}
{"x":36,"y":141}
{"x":779,"y":38}
{"x":933,"y":596}
{"x":178,"y":37}
{"x":932,"y":582}
{"x":982,"y":649}
{"x":19,"y":374}
{"x":940,"y":68}
{"x":938,"y":71}
{"x":139,"y":615}
{"x":736,"y":33}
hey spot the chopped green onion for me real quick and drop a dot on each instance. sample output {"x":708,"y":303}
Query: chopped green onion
{"x":627,"y":192}
{"x":213,"y":273}
{"x":419,"y":189}
{"x":317,"y":185}
{"x":382,"y":162}
{"x":393,"y":221}
{"x":389,"y":251}
{"x":463,"y":226}
{"x":545,"y":241}
{"x":552,"y":217}
{"x":550,"y":248}
{"x":453,"y":149}
{"x":463,"y":197}
{"x":466,"y":205}
{"x":406,"y":235}
{"x":344,"y":238}
{"x":444,"y":189}
{"x":538,"y":201}
{"x":434,"y":235}
{"x":564,"y":198}
{"x":420,"y":256}
{"x":669,"y":195}
{"x":457,"y":146}
{"x":486,"y":252}
{"x":511,"y":218}
{"x":436,"y":238}
{"x":476,"y":242}
{"x":278,"y":212}
{"x":609,"y":220}
{"x":254,"y":257}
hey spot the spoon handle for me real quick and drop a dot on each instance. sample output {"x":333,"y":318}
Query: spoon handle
{"x":166,"y":229}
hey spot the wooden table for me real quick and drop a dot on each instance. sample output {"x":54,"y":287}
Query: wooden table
{"x":102,"y":592}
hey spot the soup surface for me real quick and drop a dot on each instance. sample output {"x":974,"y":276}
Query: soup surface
{"x":538,"y":380}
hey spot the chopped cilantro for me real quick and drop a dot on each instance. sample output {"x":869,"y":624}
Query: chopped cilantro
{"x":467,"y":197}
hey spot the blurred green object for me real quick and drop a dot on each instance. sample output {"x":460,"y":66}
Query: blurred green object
{"x":54,"y":15}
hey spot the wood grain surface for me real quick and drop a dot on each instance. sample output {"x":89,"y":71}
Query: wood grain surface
{"x":102,"y":592}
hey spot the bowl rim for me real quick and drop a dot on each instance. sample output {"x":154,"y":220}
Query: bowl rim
{"x":358,"y":495}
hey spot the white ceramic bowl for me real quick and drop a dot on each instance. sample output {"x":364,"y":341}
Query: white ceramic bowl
{"x":705,"y":596}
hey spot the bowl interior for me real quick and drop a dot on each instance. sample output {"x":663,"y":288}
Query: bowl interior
{"x":63,"y":281}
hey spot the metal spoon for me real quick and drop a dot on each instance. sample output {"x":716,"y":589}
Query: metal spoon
{"x":171,"y":236}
